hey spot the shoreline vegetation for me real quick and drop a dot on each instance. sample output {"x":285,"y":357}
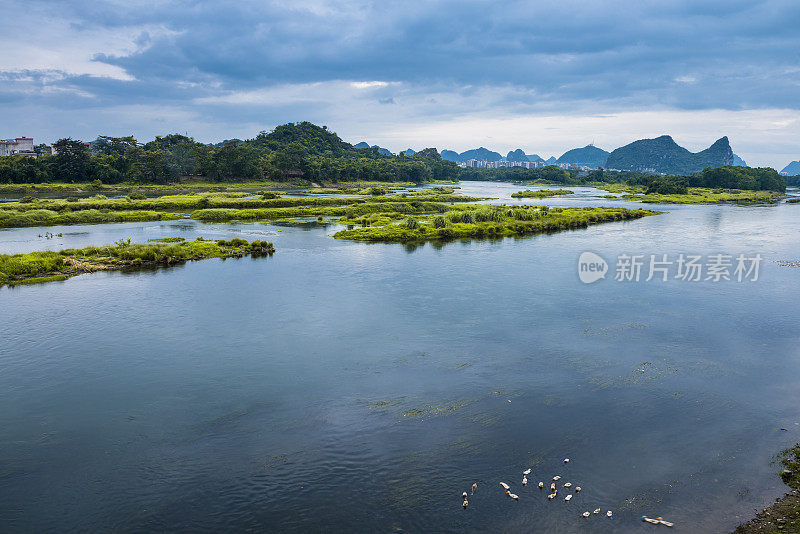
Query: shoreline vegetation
{"x":192,"y":186}
{"x":693,"y":195}
{"x":481,"y":221}
{"x":51,"y":266}
{"x":541,"y":193}
{"x":784,"y":515}
{"x":215,"y":207}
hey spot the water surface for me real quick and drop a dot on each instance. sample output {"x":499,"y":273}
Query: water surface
{"x":344,"y":386}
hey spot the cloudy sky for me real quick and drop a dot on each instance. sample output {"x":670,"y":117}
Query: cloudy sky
{"x":540,"y":75}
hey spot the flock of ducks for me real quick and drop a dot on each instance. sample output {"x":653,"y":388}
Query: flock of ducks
{"x":554,"y":493}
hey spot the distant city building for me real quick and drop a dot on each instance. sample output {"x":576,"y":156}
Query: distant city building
{"x":22,"y":146}
{"x":483,"y":164}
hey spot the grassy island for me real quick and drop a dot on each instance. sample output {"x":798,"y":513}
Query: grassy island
{"x":694,"y":195}
{"x":10,"y":218}
{"x":49,"y":266}
{"x":31,"y":211}
{"x":541,"y":193}
{"x":481,"y":221}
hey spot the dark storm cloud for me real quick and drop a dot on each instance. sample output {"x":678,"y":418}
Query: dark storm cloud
{"x":689,"y":55}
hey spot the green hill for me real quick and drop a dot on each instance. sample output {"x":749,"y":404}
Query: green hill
{"x":589,"y":155}
{"x":664,"y":155}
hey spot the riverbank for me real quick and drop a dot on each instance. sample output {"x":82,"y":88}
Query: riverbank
{"x":695,"y":195}
{"x":51,"y":266}
{"x":784,"y":515}
{"x":189,"y":186}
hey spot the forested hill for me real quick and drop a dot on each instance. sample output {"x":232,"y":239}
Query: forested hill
{"x":588,"y":155}
{"x":664,"y":155}
{"x":288,"y":153}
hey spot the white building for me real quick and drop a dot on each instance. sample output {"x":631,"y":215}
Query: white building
{"x":22,"y":146}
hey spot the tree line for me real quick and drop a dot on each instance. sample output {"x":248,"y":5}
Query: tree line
{"x":291,"y":152}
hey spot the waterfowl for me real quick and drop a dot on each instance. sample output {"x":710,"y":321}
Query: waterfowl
{"x":524,"y":480}
{"x":649,"y":520}
{"x":597,"y":511}
{"x":505,"y":486}
{"x":557,"y":478}
{"x":568,"y":485}
{"x":474,"y":487}
{"x":541,"y":485}
{"x":568,"y":498}
{"x":585,"y":514}
{"x":527,"y":472}
{"x":513,"y":495}
{"x":465,"y":503}
{"x":552,"y":486}
{"x":577,"y":489}
{"x":551,"y":496}
{"x":566,"y":460}
{"x":665,"y":523}
{"x":608,"y":514}
{"x":464,"y":495}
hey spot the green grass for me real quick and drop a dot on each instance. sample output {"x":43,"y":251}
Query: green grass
{"x":188,"y":203}
{"x":477,"y":221}
{"x":55,"y":188}
{"x":541,"y":193}
{"x":350,"y":211}
{"x":374,"y":190}
{"x":44,"y":217}
{"x":45,"y":266}
{"x":696,"y":195}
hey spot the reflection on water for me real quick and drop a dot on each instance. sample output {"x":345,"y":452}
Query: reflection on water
{"x":348,"y":386}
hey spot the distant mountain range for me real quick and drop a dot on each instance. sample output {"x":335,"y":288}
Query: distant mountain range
{"x":589,"y":155}
{"x":792,"y":169}
{"x":381,"y":150}
{"x":482,"y":154}
{"x":664,"y":155}
{"x":661,"y":154}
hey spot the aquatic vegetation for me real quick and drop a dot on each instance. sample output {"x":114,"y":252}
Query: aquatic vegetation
{"x":541,"y":193}
{"x":351,"y":211}
{"x":167,"y":240}
{"x":381,"y":189}
{"x":481,"y":221}
{"x":45,"y":266}
{"x":45,"y":217}
{"x":695,"y":195}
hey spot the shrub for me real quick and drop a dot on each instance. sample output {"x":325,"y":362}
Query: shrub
{"x":137,"y":196}
{"x":27,"y":199}
{"x":439,"y":222}
{"x":411,"y":223}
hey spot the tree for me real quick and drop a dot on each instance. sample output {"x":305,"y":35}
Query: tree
{"x":113,"y":145}
{"x":72,"y":160}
